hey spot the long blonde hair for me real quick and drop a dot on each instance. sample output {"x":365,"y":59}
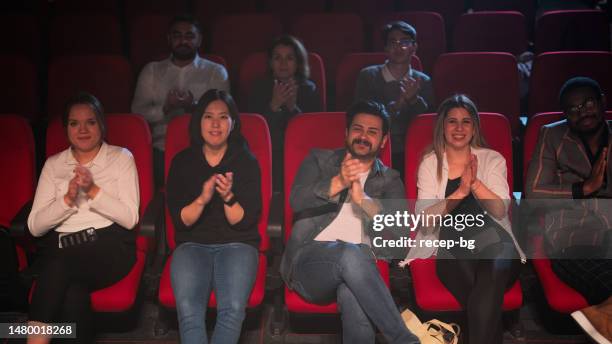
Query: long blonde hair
{"x":439,"y":142}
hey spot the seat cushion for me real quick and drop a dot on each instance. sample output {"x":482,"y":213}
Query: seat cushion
{"x":432,"y":295}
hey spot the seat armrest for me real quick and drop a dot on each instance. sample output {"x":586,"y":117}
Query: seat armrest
{"x":151,"y":216}
{"x":19,"y":224}
{"x":275,"y":218}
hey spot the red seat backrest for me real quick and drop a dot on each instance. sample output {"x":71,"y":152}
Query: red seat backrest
{"x":108,"y":77}
{"x":450,"y":10}
{"x":304,"y":132}
{"x":20,"y":89}
{"x":255,"y":66}
{"x":348,"y":73}
{"x":255,"y":130}
{"x":17,"y":152}
{"x":495,"y":128}
{"x":431,"y":35}
{"x":85,"y":33}
{"x":491,"y":31}
{"x":364,"y":8}
{"x":235,"y":36}
{"x":126,"y":130}
{"x":551,"y":70}
{"x":135,"y":8}
{"x":27,"y":42}
{"x":491,"y":80}
{"x":331,"y":35}
{"x":572,"y":30}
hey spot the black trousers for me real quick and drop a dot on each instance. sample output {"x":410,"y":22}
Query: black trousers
{"x":68,"y":275}
{"x":479,"y":286}
{"x":591,"y":277}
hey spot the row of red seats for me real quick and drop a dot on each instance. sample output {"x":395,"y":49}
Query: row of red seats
{"x":491,"y":79}
{"x":430,"y":294}
{"x":331,"y":35}
{"x":451,"y":9}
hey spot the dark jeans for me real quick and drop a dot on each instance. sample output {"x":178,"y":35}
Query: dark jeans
{"x":69,"y":275}
{"x":344,"y":272}
{"x":479,"y":286}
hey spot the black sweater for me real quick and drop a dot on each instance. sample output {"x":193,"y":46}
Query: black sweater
{"x":188,"y":172}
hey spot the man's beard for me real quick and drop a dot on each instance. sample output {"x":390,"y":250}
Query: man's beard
{"x":183,"y":53}
{"x":586,"y":133}
{"x":367,"y":156}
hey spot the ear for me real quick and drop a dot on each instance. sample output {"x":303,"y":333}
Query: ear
{"x":383,"y":143}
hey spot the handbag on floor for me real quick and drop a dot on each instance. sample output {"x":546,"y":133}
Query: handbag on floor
{"x":433,"y":331}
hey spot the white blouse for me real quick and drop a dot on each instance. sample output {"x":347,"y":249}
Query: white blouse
{"x":492,"y":172}
{"x":114,"y":172}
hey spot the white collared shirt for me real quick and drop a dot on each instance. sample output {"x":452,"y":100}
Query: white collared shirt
{"x":159,"y":77}
{"x":388,"y":76}
{"x":114,"y":172}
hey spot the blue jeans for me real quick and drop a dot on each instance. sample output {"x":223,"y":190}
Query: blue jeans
{"x":346,"y":273}
{"x":197,"y":269}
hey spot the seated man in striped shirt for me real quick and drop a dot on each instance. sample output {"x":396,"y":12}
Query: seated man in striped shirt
{"x":570,"y":172}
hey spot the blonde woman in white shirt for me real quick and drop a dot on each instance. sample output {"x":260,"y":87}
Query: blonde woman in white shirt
{"x":90,"y":187}
{"x":460,"y":177}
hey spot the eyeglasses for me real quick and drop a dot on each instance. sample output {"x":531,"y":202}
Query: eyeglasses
{"x":402,"y":43}
{"x":589,"y":104}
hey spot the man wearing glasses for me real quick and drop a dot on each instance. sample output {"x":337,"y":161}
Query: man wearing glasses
{"x":405,"y":91}
{"x":569,"y":171}
{"x":171,"y":86}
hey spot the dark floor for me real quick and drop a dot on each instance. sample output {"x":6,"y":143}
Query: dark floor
{"x":536,"y":323}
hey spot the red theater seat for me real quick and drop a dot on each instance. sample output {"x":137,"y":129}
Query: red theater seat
{"x":450,"y":10}
{"x":430,"y":293}
{"x":255,"y":66}
{"x":17,"y":182}
{"x":255,"y":130}
{"x":491,"y":80}
{"x":330,"y":128}
{"x":572,"y":30}
{"x":85,"y":33}
{"x":551,"y":70}
{"x":348,"y":73}
{"x":491,"y":31}
{"x":132,"y":132}
{"x":135,"y":8}
{"x":108,"y":77}
{"x":28,"y":42}
{"x":20,"y":89}
{"x":235,"y":36}
{"x":331,"y":35}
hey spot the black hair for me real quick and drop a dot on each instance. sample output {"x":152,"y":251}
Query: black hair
{"x":89,"y":99}
{"x":369,"y":107}
{"x":185,"y":18}
{"x":301,"y":55}
{"x":576,"y":83}
{"x":195,"y":125}
{"x":402,"y":26}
